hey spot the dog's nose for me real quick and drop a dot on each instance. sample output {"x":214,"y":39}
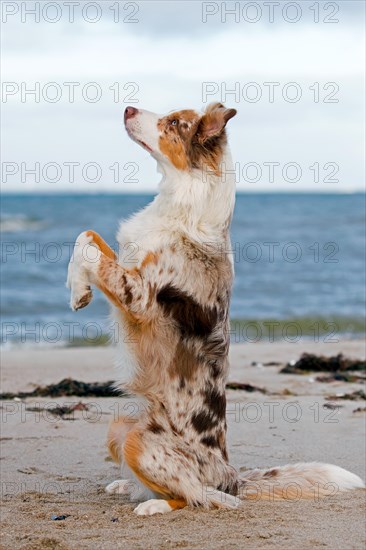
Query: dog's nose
{"x":130,"y":112}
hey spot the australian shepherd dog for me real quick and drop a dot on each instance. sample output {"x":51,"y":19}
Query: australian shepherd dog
{"x":172,"y":308}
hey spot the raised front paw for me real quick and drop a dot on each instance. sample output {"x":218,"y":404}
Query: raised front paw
{"x":83,"y":262}
{"x":80,"y":297}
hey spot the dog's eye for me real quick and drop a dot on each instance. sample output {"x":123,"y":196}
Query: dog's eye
{"x":174,"y":122}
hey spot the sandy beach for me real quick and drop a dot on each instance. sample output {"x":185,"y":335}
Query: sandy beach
{"x":53,"y":465}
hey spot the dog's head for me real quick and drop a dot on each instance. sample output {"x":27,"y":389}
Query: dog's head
{"x":185,"y":139}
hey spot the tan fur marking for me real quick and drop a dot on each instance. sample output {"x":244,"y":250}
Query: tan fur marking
{"x":175,"y":152}
{"x":174,"y":140}
{"x":150,"y":258}
{"x":116,"y":434}
{"x":177,"y":504}
{"x":102,"y":245}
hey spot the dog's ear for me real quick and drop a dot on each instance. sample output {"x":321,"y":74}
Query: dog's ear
{"x":213,"y":121}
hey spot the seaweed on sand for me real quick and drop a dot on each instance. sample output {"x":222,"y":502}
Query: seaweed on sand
{"x":68,"y":387}
{"x":309,"y":362}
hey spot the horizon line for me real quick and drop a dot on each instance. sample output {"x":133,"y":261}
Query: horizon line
{"x":151,"y":192}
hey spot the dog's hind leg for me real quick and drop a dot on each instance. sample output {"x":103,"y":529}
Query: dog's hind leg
{"x":175,"y":472}
{"x":128,"y":485}
{"x":117,"y":432}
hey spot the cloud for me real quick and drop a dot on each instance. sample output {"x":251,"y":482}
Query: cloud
{"x":163,"y":63}
{"x":229,"y":54}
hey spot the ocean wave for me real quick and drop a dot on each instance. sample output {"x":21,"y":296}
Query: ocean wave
{"x":19,"y":222}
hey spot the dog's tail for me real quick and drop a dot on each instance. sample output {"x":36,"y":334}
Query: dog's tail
{"x":310,"y":480}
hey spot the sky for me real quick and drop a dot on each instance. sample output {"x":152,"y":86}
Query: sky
{"x":293,"y":70}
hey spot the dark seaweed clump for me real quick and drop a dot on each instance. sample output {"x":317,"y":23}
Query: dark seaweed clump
{"x":309,"y":362}
{"x":67,"y":387}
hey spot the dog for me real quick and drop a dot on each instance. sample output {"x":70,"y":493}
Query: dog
{"x":172,"y":309}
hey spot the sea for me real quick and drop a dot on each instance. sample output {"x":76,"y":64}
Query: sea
{"x":299,"y":266}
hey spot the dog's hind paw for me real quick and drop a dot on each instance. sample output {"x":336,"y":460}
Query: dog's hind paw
{"x":121,"y":487}
{"x":153,"y":506}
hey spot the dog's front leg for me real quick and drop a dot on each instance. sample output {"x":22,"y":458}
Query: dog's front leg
{"x":132,"y":290}
{"x":93,"y":262}
{"x":88,"y":249}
